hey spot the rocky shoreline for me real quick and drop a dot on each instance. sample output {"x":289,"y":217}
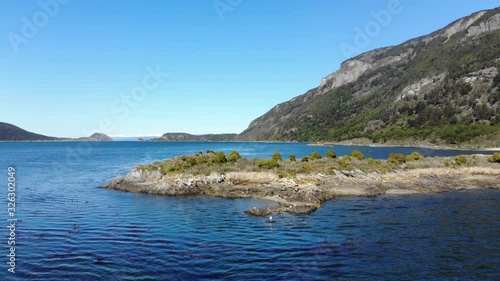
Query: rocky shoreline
{"x":305,"y":193}
{"x":415,"y":144}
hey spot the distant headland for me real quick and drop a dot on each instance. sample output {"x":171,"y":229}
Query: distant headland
{"x":190,"y":137}
{"x":9,"y":132}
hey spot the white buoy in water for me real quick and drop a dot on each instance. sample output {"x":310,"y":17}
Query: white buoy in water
{"x":271,"y":219}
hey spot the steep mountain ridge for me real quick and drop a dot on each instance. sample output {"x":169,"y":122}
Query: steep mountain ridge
{"x":446,"y":80}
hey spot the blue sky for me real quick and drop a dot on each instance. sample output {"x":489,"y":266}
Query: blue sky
{"x":70,"y":68}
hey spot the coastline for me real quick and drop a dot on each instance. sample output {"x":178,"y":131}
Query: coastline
{"x":322,"y":144}
{"x":305,"y":192}
{"x":427,"y":146}
{"x":74,"y":140}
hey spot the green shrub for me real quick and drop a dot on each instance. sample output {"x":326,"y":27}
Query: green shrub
{"x":396,"y":158}
{"x":329,"y":170}
{"x":273,"y":163}
{"x":347,"y":158}
{"x":306,"y":168}
{"x":233,"y":156}
{"x":189,"y":161}
{"x":277,"y":156}
{"x":495,"y":158}
{"x":292,"y":157}
{"x":343,"y":163}
{"x":178,"y":165}
{"x":268,"y":163}
{"x":164,"y":169}
{"x":305,"y":159}
{"x":315,"y":156}
{"x":210,"y":151}
{"x":263,"y":163}
{"x":331,"y":154}
{"x":461,"y":159}
{"x":357,"y":154}
{"x":201,"y":159}
{"x":415,"y":156}
{"x":374,"y":162}
{"x":219,"y":158}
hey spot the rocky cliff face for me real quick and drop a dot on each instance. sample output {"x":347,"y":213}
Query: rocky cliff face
{"x":376,"y":85}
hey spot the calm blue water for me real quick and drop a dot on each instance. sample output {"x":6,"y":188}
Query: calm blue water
{"x":72,"y":230}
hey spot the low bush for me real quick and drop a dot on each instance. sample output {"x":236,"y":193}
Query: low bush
{"x":305,"y":159}
{"x":292,"y":157}
{"x":277,"y":156}
{"x":343,"y":163}
{"x":306,"y":169}
{"x":461,"y":159}
{"x":331,"y":154}
{"x":189,"y":161}
{"x":415,"y":156}
{"x":268,"y":163}
{"x":495,"y":158}
{"x":374,"y":162}
{"x":396,"y":158}
{"x":202,"y":159}
{"x":219,"y":158}
{"x":329,"y":170}
{"x":178,"y":165}
{"x":233,"y":156}
{"x":164,"y":169}
{"x":347,"y":158}
{"x":357,"y":154}
{"x":263,"y":163}
{"x":315,"y":156}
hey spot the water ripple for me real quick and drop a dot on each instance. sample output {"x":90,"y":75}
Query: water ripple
{"x":71,"y":230}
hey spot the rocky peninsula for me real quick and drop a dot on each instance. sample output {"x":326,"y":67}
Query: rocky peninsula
{"x":301,"y":185}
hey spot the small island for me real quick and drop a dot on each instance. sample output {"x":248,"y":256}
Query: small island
{"x":300,"y":185}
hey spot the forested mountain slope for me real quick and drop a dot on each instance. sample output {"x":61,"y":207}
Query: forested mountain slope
{"x":440,"y":88}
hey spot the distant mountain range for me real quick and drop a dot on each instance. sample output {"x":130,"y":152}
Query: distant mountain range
{"x":189,"y":137}
{"x":442,"y":88}
{"x":9,"y":132}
